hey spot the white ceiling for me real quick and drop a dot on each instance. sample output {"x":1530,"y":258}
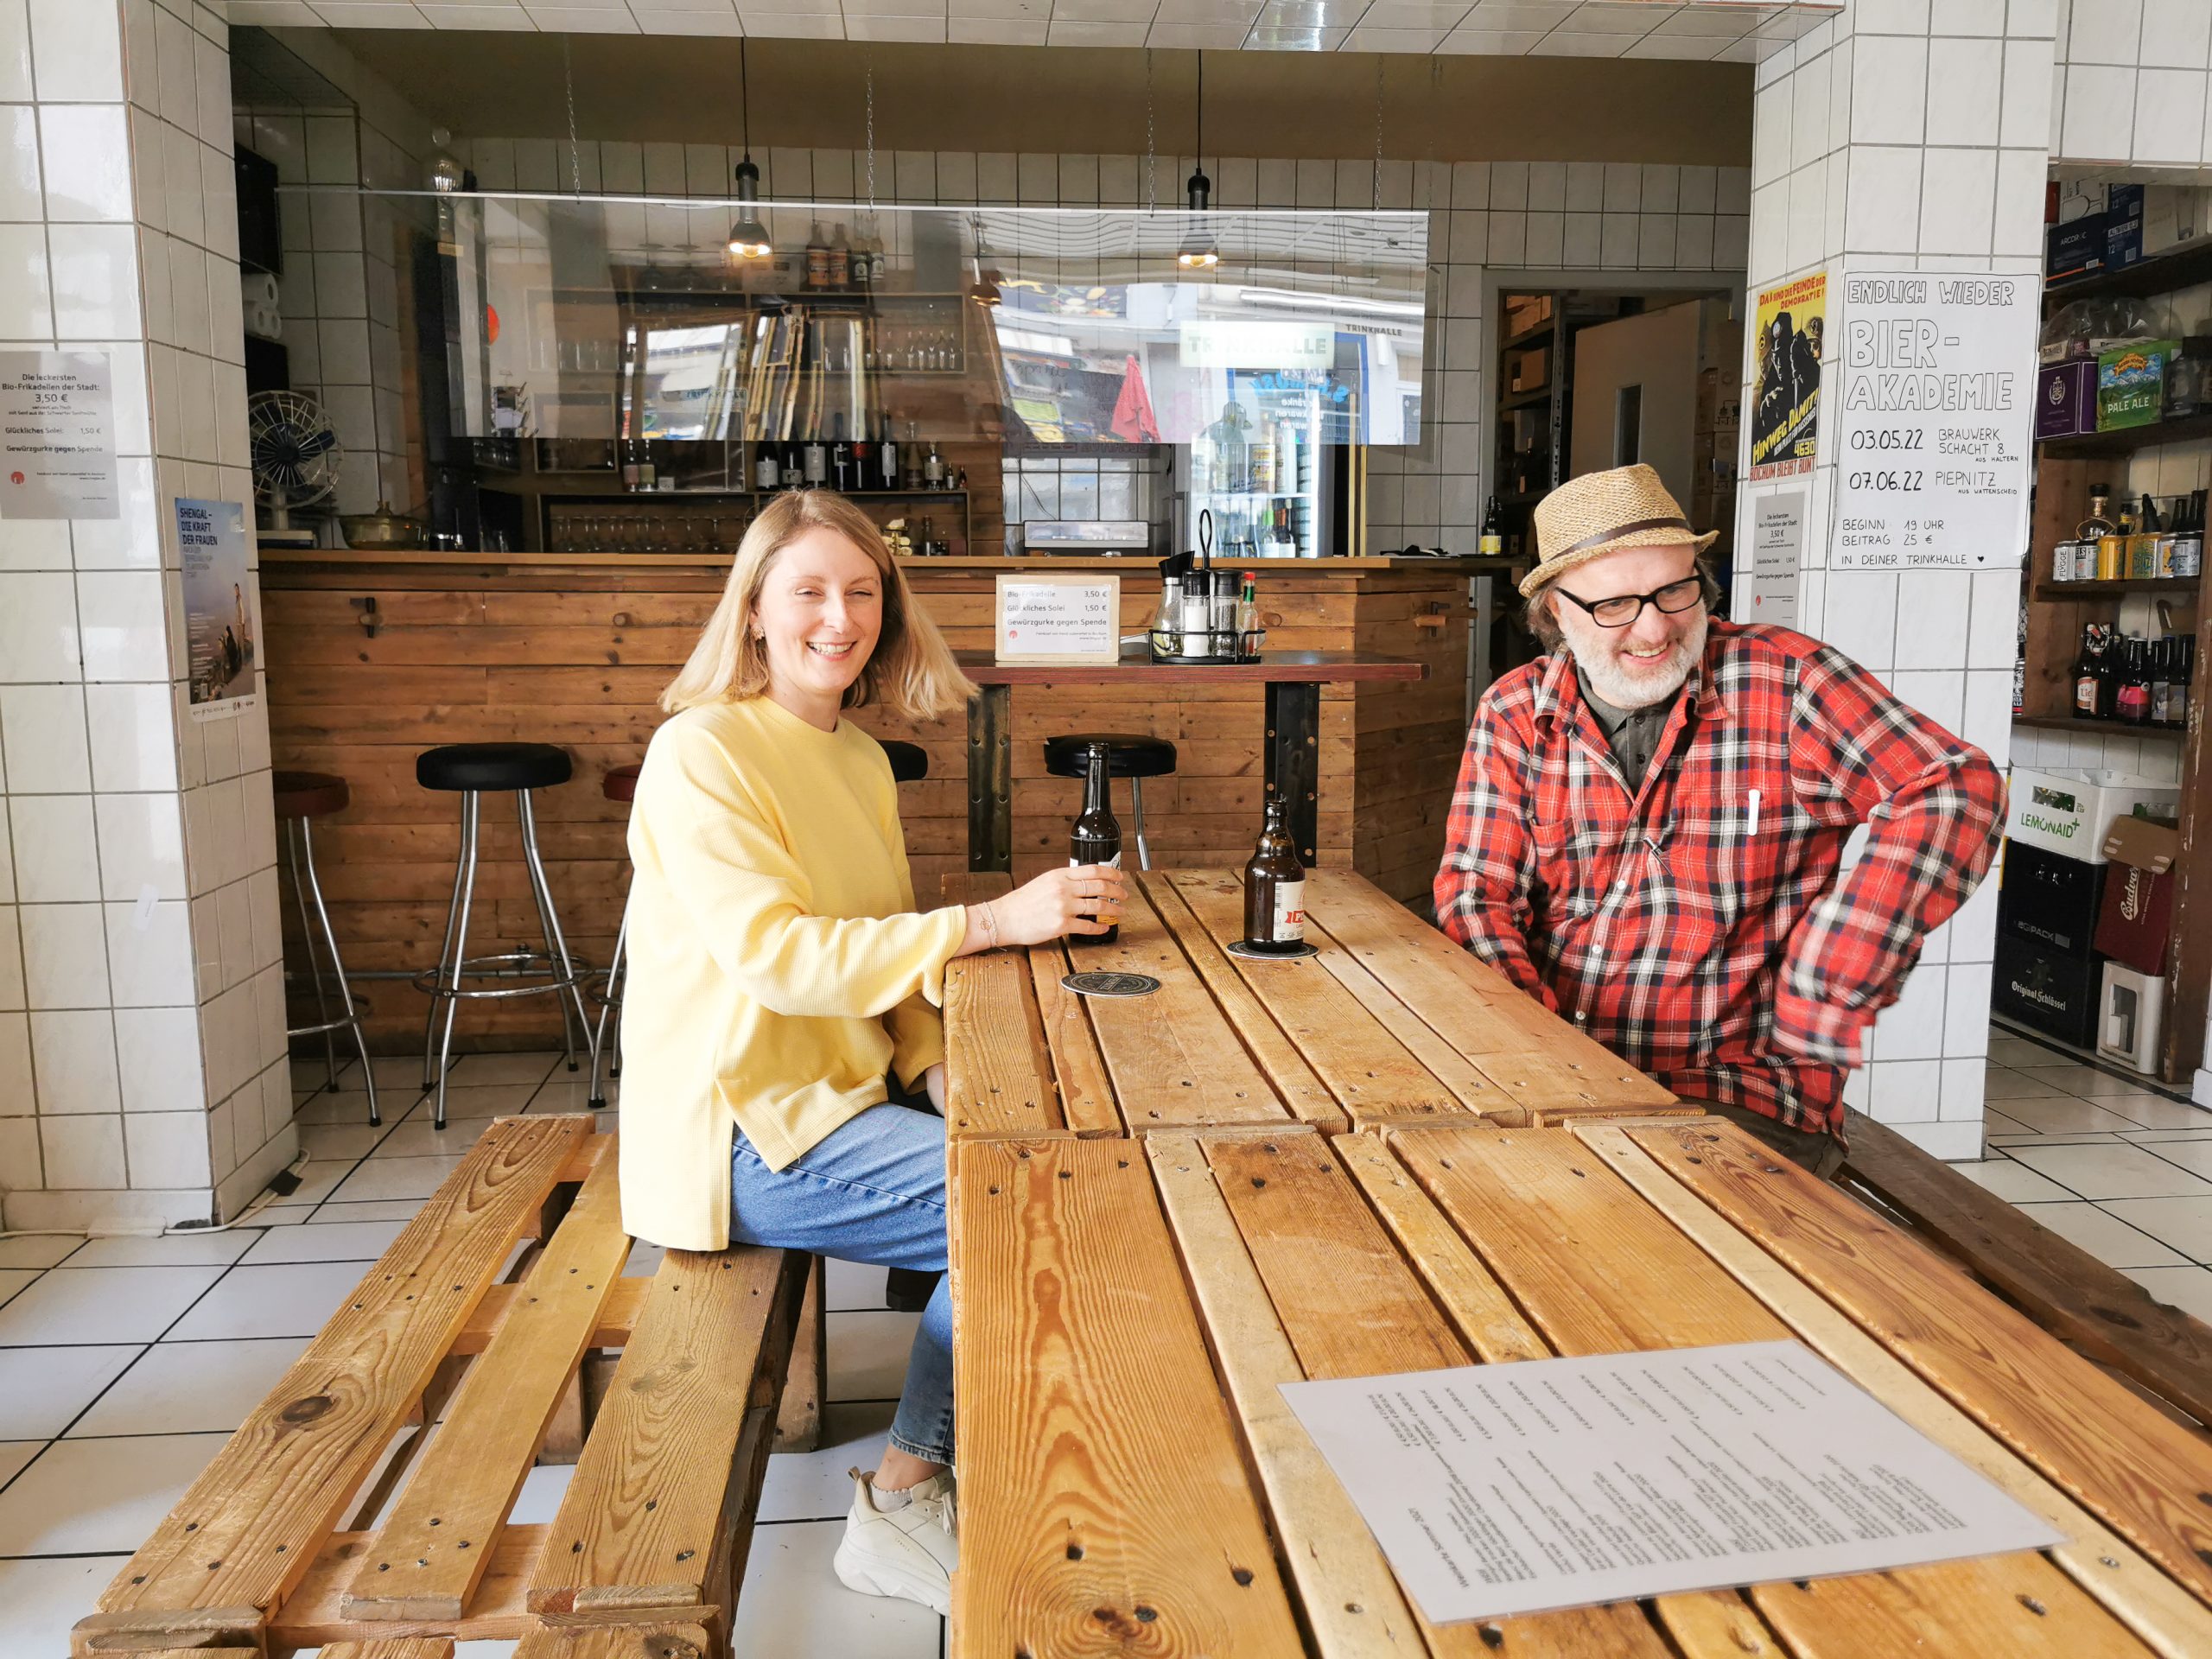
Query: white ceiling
{"x":1737,"y":30}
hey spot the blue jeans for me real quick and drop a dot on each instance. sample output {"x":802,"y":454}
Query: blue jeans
{"x":873,"y":1192}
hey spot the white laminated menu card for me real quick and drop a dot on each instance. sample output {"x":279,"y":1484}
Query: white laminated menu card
{"x":1495,"y":1489}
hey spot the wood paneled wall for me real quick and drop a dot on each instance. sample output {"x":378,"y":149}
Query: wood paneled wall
{"x":369,"y":666}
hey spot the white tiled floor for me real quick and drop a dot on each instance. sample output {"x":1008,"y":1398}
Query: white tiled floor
{"x":124,"y":1362}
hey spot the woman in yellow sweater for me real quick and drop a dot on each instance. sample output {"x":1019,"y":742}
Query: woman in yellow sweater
{"x":779,"y":969}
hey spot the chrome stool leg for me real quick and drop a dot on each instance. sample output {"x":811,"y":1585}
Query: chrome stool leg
{"x":350,"y":1018}
{"x":460,"y":867}
{"x":292,"y":829}
{"x":556,"y":946}
{"x":454,"y":959}
{"x":610,"y":1007}
{"x":1136,"y":811}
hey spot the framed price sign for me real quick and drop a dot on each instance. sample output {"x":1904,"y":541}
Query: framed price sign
{"x":1058,"y":619}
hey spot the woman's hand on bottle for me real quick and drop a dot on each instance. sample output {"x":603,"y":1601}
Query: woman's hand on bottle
{"x":1082,"y":899}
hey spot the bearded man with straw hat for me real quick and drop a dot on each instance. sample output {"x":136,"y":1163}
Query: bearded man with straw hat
{"x":1649,"y":827}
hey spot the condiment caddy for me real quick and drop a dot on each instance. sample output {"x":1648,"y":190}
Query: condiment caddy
{"x":1205,"y":616}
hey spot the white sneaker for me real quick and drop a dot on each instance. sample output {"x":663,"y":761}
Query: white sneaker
{"x":908,"y":1551}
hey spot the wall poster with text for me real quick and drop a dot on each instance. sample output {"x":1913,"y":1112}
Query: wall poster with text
{"x":219,"y":624}
{"x":1786,"y":377}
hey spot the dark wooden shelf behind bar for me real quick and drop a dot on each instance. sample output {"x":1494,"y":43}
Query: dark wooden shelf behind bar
{"x":2127,"y":439}
{"x":2045,"y":589}
{"x":2109,"y":727}
{"x":2162,"y":273}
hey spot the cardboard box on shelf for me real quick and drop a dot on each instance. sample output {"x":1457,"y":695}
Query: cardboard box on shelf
{"x":2047,"y":990}
{"x":2135,"y":912}
{"x":2132,"y":383}
{"x":2069,"y":812}
{"x":2131,"y":1009}
{"x":2123,"y":225}
{"x":2076,"y":248}
{"x":2049,"y":899}
{"x":1526,"y":311}
{"x":1531,"y":369}
{"x":2066,"y":398}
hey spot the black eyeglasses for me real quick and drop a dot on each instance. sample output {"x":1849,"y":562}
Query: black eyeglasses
{"x":1624,"y":608}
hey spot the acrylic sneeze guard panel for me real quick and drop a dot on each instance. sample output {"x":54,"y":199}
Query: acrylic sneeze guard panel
{"x":599,"y":318}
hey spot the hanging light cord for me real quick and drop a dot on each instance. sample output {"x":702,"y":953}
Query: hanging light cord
{"x":576,"y":161}
{"x":744,"y":96}
{"x":1199,"y":160}
{"x":1151,"y":152}
{"x":1377,"y":202}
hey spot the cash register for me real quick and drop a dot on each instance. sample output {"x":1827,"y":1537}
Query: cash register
{"x":1091,"y":538}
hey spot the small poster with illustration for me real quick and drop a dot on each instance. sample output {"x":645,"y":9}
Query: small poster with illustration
{"x":1786,"y":377}
{"x":220,"y":624}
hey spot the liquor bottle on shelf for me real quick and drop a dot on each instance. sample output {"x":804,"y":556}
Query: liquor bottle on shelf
{"x":911,"y":478}
{"x":1493,"y":541}
{"x":840,"y":455}
{"x":1283,"y":543}
{"x":2098,"y":523}
{"x":960,"y":483}
{"x":841,"y":260}
{"x":766,"y":473}
{"x":2132,"y":693}
{"x":629,"y":463}
{"x":2189,"y":536}
{"x":2185,"y":681}
{"x":817,"y":259}
{"x":2088,"y":673}
{"x":1096,"y":838}
{"x":2162,"y":682}
{"x":1275,"y":889}
{"x":887,"y":458}
{"x":813,"y":459}
{"x":933,"y":468}
{"x":648,"y":473}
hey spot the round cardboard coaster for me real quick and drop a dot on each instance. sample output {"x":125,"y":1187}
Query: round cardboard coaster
{"x":1240,"y":948}
{"x":1103,"y":984}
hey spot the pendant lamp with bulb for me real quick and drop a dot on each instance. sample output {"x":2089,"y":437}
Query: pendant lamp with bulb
{"x":748,"y":236}
{"x":1197,"y":251}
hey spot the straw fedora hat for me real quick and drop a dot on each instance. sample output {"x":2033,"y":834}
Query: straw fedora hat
{"x":1595,"y":514}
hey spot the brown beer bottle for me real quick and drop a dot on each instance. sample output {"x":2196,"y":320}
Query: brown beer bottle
{"x":1097,"y":836}
{"x":1274,"y":888}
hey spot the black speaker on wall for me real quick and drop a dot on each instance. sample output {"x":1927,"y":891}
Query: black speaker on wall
{"x":261,"y":228}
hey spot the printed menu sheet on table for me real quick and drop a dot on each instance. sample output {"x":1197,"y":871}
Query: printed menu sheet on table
{"x":1497,"y":1489}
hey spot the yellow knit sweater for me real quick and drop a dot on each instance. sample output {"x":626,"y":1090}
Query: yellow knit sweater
{"x":778,"y":968}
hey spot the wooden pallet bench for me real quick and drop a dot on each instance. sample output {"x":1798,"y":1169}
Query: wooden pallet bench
{"x":2093,"y":1308}
{"x":363,"y":1508}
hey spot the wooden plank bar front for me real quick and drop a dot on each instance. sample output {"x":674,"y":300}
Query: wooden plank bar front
{"x":1105,"y":1503}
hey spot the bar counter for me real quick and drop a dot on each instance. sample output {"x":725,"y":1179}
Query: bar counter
{"x":374,"y":656}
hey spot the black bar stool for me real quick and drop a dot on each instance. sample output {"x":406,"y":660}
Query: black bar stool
{"x":1129,"y":755}
{"x":471,"y":770}
{"x":302,"y":795}
{"x":620,"y":783}
{"x":906,"y":1290}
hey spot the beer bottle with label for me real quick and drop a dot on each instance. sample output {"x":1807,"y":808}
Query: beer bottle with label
{"x":1493,"y":537}
{"x":1097,"y":836}
{"x":1275,"y":889}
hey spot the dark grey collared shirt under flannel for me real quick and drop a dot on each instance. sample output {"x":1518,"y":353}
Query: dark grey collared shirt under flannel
{"x":1632,"y":733}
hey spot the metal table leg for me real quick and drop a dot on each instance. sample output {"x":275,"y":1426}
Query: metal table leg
{"x":990,"y":778}
{"x":1293,"y":759}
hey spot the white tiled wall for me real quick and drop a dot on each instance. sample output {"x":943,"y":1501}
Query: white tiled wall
{"x":2131,"y":81}
{"x":140,"y":1008}
{"x":1910,"y":134}
{"x":340,"y":290}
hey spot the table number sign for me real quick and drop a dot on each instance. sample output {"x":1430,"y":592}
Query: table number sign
{"x":1065,"y":620}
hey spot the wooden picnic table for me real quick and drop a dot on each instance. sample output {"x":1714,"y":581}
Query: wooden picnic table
{"x":1384,"y":1160}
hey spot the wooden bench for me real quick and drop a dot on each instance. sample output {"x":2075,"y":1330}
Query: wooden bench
{"x":365,"y":1501}
{"x":2091,"y":1307}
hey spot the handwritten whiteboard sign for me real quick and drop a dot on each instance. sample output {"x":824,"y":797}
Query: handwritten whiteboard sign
{"x":1059,"y":620}
{"x":57,"y":436}
{"x":1935,"y":390}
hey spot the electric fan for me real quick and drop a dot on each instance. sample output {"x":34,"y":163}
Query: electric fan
{"x":295,"y":455}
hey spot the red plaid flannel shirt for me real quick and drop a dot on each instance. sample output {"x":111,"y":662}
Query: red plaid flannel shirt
{"x":1728,"y":961}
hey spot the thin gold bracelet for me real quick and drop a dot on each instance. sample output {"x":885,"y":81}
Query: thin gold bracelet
{"x":990,"y":927}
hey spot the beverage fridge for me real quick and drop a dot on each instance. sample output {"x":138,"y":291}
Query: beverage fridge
{"x":1275,"y":471}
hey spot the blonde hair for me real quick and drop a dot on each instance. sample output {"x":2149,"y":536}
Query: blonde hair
{"x":911,"y":671}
